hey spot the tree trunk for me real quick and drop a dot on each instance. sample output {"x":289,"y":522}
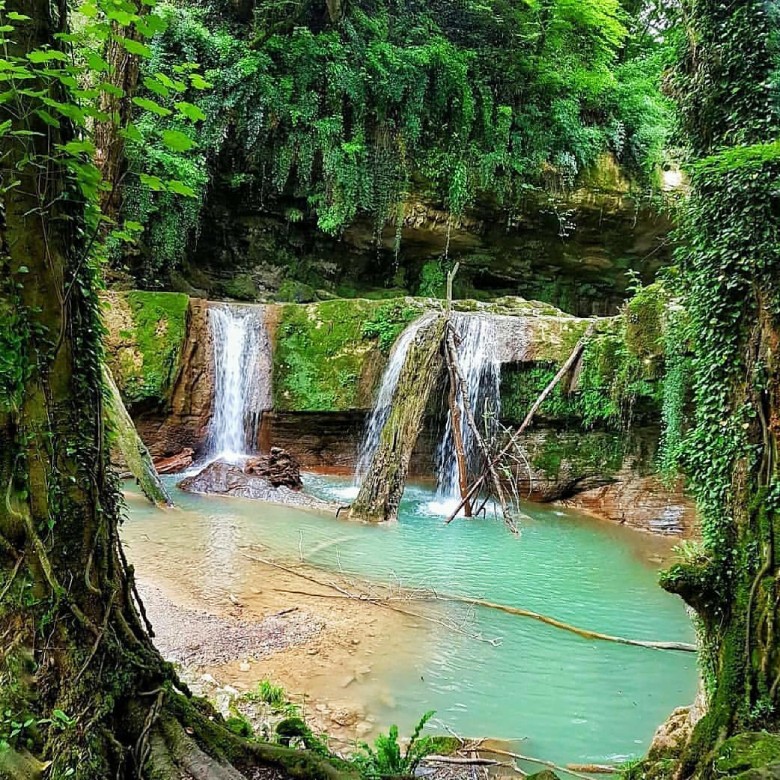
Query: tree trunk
{"x":130,"y":446}
{"x":383,"y":486}
{"x":77,"y":664}
{"x":110,"y":146}
{"x":730,"y":258}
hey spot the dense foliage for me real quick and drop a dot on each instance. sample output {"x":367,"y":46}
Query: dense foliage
{"x":347,"y":115}
{"x":729,"y":255}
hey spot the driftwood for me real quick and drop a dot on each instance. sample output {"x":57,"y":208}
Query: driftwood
{"x":564,"y":369}
{"x":133,"y":451}
{"x":384,"y":483}
{"x":458,"y":385}
{"x":431,"y":596}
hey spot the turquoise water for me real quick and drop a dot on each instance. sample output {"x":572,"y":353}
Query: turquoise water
{"x":569,"y":699}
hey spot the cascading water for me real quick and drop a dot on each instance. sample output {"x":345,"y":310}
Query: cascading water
{"x":242,"y":388}
{"x":384,"y":399}
{"x":481,"y":367}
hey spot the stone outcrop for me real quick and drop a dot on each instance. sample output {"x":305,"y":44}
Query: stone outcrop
{"x":278,"y":467}
{"x":230,"y":479}
{"x":571,"y":247}
{"x":181,"y":419}
{"x":175,"y":463}
{"x":328,"y":359}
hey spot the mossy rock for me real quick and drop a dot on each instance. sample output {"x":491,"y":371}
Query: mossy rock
{"x":241,"y":287}
{"x":146,"y":335}
{"x":329,"y":356}
{"x":545,"y":774}
{"x":744,"y":753}
{"x":644,"y":321}
{"x":771,"y":772}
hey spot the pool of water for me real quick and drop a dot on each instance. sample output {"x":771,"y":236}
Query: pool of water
{"x":568,"y":699}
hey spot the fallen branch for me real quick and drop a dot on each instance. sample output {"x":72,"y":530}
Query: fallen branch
{"x":594,"y":769}
{"x":564,"y":369}
{"x":510,"y":610}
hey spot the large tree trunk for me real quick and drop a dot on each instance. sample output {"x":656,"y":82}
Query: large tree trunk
{"x":383,"y":486}
{"x":77,"y":664}
{"x":730,"y":257}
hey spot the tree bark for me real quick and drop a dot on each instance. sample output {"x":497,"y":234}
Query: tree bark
{"x":383,"y":486}
{"x":77,"y":663}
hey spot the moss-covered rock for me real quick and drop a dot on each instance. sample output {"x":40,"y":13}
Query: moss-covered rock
{"x":753,"y":750}
{"x":329,"y":356}
{"x":144,"y":342}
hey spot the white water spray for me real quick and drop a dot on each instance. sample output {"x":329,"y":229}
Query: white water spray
{"x":242,"y":387}
{"x":384,"y":400}
{"x":480,"y":364}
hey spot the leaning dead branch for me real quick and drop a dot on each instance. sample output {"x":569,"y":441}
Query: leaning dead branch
{"x":496,"y":461}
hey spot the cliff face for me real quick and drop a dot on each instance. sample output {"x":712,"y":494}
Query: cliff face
{"x":572,"y":248}
{"x":159,"y":349}
{"x":328,"y":359}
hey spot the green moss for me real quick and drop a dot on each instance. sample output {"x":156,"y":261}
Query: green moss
{"x":750,"y":750}
{"x":597,"y":451}
{"x":147,"y":363}
{"x":327,"y":355}
{"x":296,"y":292}
{"x":388,"y":322}
{"x":644,"y":321}
{"x":242,"y":287}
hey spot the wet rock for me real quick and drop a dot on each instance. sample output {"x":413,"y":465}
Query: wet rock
{"x":278,"y":467}
{"x":175,"y":463}
{"x":229,"y":479}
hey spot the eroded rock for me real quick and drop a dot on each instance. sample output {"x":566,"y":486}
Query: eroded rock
{"x":230,"y":479}
{"x":278,"y":467}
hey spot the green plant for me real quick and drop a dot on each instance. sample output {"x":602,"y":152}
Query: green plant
{"x":387,"y":759}
{"x":387,"y":322}
{"x":271,"y":694}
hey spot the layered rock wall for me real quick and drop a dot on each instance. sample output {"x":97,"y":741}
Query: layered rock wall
{"x":329,"y":358}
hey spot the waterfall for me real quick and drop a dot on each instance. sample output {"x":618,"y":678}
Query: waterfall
{"x":479,"y":359}
{"x":384,"y":400}
{"x":242,"y":387}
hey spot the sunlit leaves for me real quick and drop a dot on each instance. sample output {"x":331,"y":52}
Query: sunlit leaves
{"x":177,"y":141}
{"x":151,"y":105}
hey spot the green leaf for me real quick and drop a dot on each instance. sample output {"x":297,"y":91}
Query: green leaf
{"x":39,"y":56}
{"x":151,"y":25}
{"x":153,"y":85}
{"x":198,"y":82}
{"x":97,"y":63}
{"x":47,"y":117}
{"x":150,"y":105}
{"x":177,"y":141}
{"x":191,"y":111}
{"x":17,"y":17}
{"x":134,"y":47}
{"x":131,"y":133}
{"x":111,"y":89}
{"x":76,"y":148}
{"x":152,"y":182}
{"x":180,"y":188}
{"x":5,"y":127}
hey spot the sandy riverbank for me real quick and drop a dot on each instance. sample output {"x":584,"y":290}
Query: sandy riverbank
{"x":332,"y":656}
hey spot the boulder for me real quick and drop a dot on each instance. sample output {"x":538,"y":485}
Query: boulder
{"x":230,"y":479}
{"x":278,"y":467}
{"x":179,"y":462}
